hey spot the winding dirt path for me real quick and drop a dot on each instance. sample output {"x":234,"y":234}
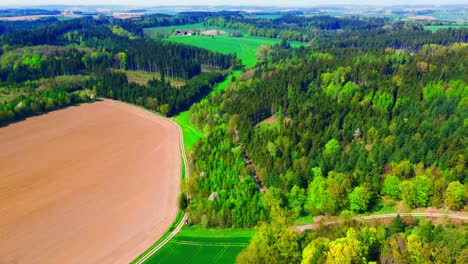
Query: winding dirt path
{"x":95,"y":183}
{"x":462,"y":217}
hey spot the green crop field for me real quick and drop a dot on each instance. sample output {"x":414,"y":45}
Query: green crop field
{"x":244,"y":47}
{"x":194,"y":245}
{"x":435,"y":28}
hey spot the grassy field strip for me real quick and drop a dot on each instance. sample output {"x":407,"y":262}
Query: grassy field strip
{"x":244,"y":47}
{"x":224,"y":84}
{"x":211,"y":245}
{"x":435,"y":28}
{"x":191,"y":133}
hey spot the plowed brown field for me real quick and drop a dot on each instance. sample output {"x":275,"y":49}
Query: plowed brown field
{"x":95,"y":183}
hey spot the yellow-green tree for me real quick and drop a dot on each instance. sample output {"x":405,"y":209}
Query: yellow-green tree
{"x":454,"y":195}
{"x":346,"y":250}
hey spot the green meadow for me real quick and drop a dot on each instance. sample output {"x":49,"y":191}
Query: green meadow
{"x":244,"y":47}
{"x":194,"y":245}
{"x":435,"y":28}
{"x":191,"y":133}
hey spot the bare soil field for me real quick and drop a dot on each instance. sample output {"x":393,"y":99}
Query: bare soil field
{"x":213,"y":32}
{"x":95,"y":183}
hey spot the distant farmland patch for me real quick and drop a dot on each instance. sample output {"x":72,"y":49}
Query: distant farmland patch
{"x":193,"y":245}
{"x":244,"y":47}
{"x":213,"y":32}
{"x":435,"y":28}
{"x":156,"y":32}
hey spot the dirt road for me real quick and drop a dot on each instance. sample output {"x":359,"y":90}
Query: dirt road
{"x":461,"y":217}
{"x":96,"y":183}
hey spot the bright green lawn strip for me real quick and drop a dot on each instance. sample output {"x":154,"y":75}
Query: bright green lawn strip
{"x":224,"y":84}
{"x":214,"y":235}
{"x":191,"y":133}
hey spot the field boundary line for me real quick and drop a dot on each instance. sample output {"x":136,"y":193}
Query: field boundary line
{"x":145,"y":256}
{"x":194,"y":243}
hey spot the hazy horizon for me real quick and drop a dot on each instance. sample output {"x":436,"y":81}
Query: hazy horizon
{"x":225,"y":3}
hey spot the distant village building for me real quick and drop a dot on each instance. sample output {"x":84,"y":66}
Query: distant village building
{"x":183,"y":33}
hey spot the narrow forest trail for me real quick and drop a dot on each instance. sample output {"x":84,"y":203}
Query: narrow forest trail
{"x":314,"y":226}
{"x":249,"y":162}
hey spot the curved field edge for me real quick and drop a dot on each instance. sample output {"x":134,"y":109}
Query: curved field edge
{"x":191,"y":133}
{"x":178,"y":220}
{"x":173,"y":229}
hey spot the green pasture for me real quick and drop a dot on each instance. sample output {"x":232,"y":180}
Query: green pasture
{"x":224,"y":84}
{"x":435,"y":28}
{"x":194,"y":245}
{"x":244,"y":47}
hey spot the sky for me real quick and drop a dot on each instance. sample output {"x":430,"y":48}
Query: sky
{"x":230,"y":2}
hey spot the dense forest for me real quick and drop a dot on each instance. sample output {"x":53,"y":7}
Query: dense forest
{"x":34,"y":54}
{"x":354,"y":127}
{"x":361,"y":121}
